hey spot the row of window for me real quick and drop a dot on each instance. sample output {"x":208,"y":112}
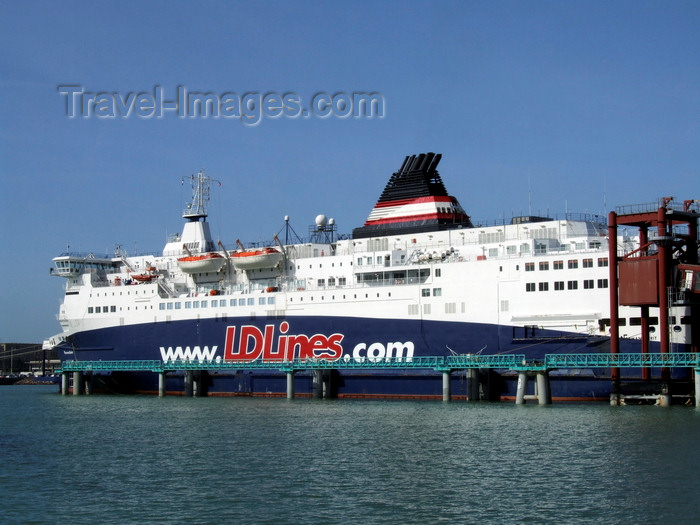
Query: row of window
{"x":209,"y":303}
{"x":450,"y":308}
{"x":344,"y":296}
{"x":217,"y":303}
{"x":332,"y":281}
{"x":588,"y":284}
{"x":571,"y":264}
{"x":101,"y":309}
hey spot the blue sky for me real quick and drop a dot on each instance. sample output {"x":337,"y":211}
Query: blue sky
{"x":535,"y":105}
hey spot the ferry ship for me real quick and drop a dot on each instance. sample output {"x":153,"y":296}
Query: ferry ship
{"x":419,"y":278}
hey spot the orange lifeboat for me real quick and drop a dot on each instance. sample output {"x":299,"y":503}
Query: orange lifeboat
{"x":208,"y":262}
{"x":257,"y":258}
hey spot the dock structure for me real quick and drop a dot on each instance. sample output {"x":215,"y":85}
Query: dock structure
{"x":195,"y":370}
{"x":662,"y":272}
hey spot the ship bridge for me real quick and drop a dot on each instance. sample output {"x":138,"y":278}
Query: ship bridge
{"x":73,"y":264}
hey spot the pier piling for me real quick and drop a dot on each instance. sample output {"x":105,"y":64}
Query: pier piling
{"x":544,"y":394}
{"x":161,"y":384}
{"x":189,"y":384}
{"x":318,"y":384}
{"x":446,"y":391}
{"x":77,"y":383}
{"x":522,"y":389}
{"x":473,"y":385}
{"x":64,"y":383}
{"x":290,"y":385}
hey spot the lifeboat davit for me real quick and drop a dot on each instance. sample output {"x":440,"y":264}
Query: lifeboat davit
{"x":257,"y":258}
{"x":208,"y":262}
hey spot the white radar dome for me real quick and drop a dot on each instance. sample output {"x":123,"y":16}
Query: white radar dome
{"x":321,"y":221}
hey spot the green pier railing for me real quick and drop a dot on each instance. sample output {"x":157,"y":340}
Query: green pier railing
{"x":439,"y":363}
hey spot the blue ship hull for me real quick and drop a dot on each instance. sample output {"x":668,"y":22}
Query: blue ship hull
{"x":357,"y":339}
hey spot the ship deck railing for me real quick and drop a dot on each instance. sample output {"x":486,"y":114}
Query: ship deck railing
{"x":514,"y":362}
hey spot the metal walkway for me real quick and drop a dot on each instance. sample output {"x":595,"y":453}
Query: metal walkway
{"x":441,"y":364}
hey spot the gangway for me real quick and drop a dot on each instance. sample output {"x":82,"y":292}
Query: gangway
{"x":444,"y":364}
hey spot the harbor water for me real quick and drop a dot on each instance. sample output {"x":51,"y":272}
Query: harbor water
{"x":127,"y":459}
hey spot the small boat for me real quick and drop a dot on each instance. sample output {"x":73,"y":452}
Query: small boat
{"x":256,"y":259}
{"x":208,"y":262}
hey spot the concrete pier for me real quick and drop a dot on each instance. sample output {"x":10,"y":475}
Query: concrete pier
{"x":446,"y":390}
{"x":318,"y":384}
{"x":161,"y":384}
{"x":87,"y":384}
{"x":327,"y":374}
{"x":189,"y":383}
{"x":65,"y":381}
{"x":522,"y":389}
{"x":77,"y":383}
{"x":544,"y":394}
{"x":198,"y":383}
{"x":290,"y":385}
{"x":473,"y":385}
